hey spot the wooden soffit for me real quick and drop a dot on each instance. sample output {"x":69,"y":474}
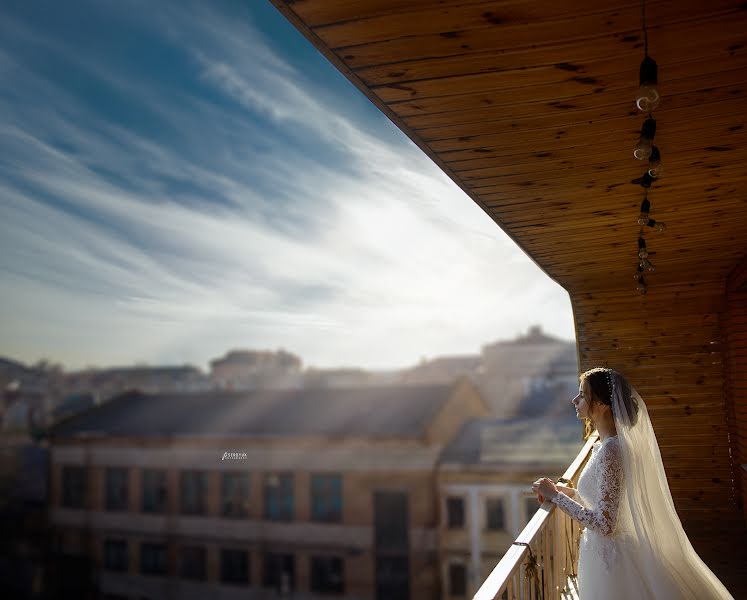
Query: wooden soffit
{"x":528,"y":106}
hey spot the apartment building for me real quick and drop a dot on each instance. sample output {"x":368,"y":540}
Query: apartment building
{"x":262,"y":494}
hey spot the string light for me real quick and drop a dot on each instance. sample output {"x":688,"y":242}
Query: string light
{"x":647,"y":100}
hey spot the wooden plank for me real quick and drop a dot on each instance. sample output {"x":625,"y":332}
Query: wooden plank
{"x":580,"y":58}
{"x":541,"y":83}
{"x":434,"y":19}
{"x":593,"y":27}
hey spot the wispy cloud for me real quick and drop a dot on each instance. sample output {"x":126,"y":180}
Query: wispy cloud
{"x":262,"y":210}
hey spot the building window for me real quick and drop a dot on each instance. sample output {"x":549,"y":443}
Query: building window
{"x":192,"y":562}
{"x":279,"y":504}
{"x":234,"y":566}
{"x":115,"y":555}
{"x":455,"y":512}
{"x":495,"y":516}
{"x":154,"y":491}
{"x":74,"y":487}
{"x":457,"y":580}
{"x":392,"y":578}
{"x":326,"y":498}
{"x":279,"y":572}
{"x":327,"y":575}
{"x":153,"y":559}
{"x":235,"y":494}
{"x":530,"y":507}
{"x":116,"y":489}
{"x":193,"y":492}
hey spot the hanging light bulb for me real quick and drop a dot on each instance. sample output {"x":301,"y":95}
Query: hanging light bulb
{"x":654,"y":162}
{"x":648,"y":94}
{"x":645,"y":209}
{"x":659,"y":226}
{"x":646,"y":265}
{"x":643,"y":149}
{"x":642,"y":288}
{"x":642,"y":250}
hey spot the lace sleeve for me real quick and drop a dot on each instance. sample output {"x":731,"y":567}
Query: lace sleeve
{"x":602,"y":518}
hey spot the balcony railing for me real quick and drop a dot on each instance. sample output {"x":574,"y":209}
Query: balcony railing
{"x":541,"y":563}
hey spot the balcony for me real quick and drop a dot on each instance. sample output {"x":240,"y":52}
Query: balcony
{"x":529,"y":108}
{"x":542,"y":561}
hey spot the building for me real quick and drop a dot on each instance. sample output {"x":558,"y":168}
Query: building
{"x":517,"y":377}
{"x":255,"y":494}
{"x":256,"y":369}
{"x":485,"y":497}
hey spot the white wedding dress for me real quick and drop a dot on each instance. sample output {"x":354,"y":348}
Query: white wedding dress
{"x":633,"y":546}
{"x":605,"y":566}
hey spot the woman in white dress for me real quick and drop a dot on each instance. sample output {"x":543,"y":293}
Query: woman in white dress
{"x":633,"y":545}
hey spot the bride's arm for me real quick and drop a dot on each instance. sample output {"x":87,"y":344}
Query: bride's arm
{"x":602,"y":517}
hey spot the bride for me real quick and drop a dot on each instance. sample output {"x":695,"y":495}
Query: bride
{"x":633,"y":545}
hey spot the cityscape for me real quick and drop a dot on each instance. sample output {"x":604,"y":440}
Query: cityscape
{"x":266,"y":478}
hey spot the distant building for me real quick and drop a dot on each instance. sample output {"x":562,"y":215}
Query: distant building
{"x":485,"y":498}
{"x":516,"y":376}
{"x":442,"y":369}
{"x":104,"y":384}
{"x":255,"y":369}
{"x":315,"y":492}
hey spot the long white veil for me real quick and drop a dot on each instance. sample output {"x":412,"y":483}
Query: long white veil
{"x":665,"y":559}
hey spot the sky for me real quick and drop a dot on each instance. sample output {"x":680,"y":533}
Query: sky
{"x":181,"y":178}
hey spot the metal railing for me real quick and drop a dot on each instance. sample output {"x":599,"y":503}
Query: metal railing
{"x":541,"y":563}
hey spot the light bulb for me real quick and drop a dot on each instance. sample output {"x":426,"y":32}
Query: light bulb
{"x":642,"y":250}
{"x":642,"y":289}
{"x":648,"y":97}
{"x":648,"y":94}
{"x":660,"y":227}
{"x":645,"y":208}
{"x":655,"y":167}
{"x":645,"y":147}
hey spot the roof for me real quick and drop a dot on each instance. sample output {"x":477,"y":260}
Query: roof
{"x":516,"y":442}
{"x":379,"y":412}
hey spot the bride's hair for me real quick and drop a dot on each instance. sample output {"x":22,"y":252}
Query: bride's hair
{"x":600,"y":382}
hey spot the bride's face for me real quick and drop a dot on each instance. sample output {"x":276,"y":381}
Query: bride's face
{"x":582,"y":401}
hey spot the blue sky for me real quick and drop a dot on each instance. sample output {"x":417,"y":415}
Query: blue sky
{"x":182,"y":178}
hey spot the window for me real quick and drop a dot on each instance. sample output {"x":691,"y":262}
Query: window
{"x":154,"y":491}
{"x":192,"y":562}
{"x":530,"y":506}
{"x":457,"y":580}
{"x":116,"y":489}
{"x":193,"y":492}
{"x":153,"y":559}
{"x":279,"y":504}
{"x":495,"y":516}
{"x":327,"y":575}
{"x":326,"y":498}
{"x":392,"y":578}
{"x":234,"y":566}
{"x":115,"y":555}
{"x":74,"y":487}
{"x":391,"y":522}
{"x":455,"y":512}
{"x":279,"y":572}
{"x":235,"y":494}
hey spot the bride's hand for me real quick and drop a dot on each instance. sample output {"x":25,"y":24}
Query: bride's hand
{"x":568,"y":491}
{"x":545,"y":487}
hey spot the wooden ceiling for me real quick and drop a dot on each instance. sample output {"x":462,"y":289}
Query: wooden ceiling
{"x":528,"y":106}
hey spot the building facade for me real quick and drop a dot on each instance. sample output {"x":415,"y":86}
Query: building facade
{"x":307,"y":495}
